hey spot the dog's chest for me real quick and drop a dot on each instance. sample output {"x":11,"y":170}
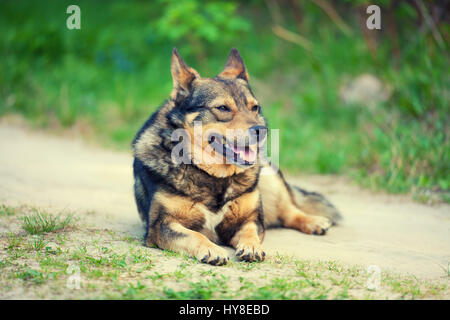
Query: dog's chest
{"x":213,"y":219}
{"x":215,"y":197}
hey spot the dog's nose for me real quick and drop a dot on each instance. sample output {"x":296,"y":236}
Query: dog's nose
{"x":259,"y":131}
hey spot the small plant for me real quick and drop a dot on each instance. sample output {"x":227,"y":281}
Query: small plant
{"x":135,"y":291}
{"x":31,"y":275}
{"x":41,"y":222}
{"x":171,"y":253}
{"x":203,"y":289}
{"x":39,"y":244}
{"x":7,"y":211}
{"x":14,"y":241}
{"x":61,"y":239}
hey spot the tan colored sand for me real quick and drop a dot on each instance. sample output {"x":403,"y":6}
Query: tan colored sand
{"x":392,"y":232}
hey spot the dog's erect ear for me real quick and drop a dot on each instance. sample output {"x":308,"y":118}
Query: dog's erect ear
{"x":182,"y":75}
{"x":235,"y":67}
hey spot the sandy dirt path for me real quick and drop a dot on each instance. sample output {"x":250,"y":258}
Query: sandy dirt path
{"x":392,"y":232}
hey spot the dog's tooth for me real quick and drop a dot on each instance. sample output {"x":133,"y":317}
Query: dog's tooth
{"x":253,"y":147}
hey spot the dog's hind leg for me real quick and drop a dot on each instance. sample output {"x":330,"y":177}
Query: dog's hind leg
{"x":281,"y":207}
{"x":292,"y":217}
{"x":314,"y":203}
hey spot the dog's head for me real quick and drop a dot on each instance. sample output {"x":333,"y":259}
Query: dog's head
{"x":221,"y":115}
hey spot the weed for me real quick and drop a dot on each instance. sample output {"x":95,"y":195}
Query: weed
{"x":7,"y":211}
{"x":41,"y":222}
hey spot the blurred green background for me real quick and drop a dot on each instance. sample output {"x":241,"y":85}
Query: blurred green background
{"x":373,"y":105}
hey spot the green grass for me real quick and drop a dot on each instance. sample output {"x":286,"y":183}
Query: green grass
{"x":39,"y":244}
{"x":31,"y":275}
{"x":109,"y":76}
{"x":7,"y":211}
{"x":41,"y":222}
{"x":13,"y":241}
{"x":110,"y":266}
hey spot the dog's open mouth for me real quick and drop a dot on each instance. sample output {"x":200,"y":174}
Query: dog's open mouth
{"x":241,"y":155}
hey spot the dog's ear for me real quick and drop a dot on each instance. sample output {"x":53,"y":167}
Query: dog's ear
{"x":235,"y":67}
{"x":182,"y":75}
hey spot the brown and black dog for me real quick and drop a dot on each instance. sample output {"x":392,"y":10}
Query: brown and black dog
{"x":199,"y":203}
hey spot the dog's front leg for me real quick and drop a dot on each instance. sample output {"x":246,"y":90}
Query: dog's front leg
{"x":247,"y":243}
{"x":172,"y":225}
{"x":171,"y":235}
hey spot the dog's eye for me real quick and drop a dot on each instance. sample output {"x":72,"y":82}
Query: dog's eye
{"x":255,"y":108}
{"x":223,"y":108}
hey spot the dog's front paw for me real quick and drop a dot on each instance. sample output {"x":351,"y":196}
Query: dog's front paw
{"x":250,"y":253}
{"x":315,"y":225}
{"x":216,"y":256}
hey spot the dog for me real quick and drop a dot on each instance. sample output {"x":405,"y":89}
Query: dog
{"x":195,"y":205}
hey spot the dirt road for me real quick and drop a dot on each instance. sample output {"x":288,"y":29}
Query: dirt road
{"x":392,"y":232}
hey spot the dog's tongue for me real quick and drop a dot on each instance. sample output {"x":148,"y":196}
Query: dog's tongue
{"x":248,"y":154}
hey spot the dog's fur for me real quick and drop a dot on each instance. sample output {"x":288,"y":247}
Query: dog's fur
{"x":192,"y":208}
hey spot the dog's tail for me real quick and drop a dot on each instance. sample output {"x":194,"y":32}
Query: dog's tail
{"x":315,"y":204}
